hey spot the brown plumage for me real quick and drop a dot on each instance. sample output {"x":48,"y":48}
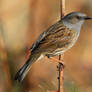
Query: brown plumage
{"x":54,"y":41}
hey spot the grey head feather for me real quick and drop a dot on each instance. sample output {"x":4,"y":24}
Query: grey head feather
{"x":74,"y":14}
{"x":77,"y":19}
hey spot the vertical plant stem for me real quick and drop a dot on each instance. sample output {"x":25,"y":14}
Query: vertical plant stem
{"x":60,"y":77}
{"x":62,"y":8}
{"x":61,"y":58}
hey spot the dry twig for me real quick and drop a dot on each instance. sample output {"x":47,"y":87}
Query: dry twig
{"x":61,"y":58}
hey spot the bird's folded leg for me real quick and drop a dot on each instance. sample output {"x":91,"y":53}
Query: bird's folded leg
{"x":55,"y":59}
{"x":58,"y":61}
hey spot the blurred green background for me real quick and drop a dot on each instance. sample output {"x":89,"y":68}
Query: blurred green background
{"x":21,"y":22}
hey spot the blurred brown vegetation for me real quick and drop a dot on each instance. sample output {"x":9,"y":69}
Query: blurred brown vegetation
{"x":21,"y":22}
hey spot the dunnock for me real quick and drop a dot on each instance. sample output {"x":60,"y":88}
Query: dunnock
{"x":56,"y":40}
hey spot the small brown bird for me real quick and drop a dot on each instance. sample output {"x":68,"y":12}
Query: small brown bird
{"x":56,"y":40}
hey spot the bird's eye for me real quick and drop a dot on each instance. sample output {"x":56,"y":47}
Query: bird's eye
{"x":77,"y":17}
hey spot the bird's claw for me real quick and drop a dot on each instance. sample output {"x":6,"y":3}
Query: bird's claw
{"x":60,"y":66}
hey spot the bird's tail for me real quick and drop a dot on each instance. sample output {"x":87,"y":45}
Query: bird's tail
{"x":24,"y":70}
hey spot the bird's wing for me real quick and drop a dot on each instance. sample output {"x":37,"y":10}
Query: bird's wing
{"x":50,"y":36}
{"x":36,"y":43}
{"x":43,"y":35}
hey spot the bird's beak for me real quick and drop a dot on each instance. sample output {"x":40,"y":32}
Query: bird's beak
{"x":87,"y":18}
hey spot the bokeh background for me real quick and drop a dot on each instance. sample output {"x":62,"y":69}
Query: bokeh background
{"x":21,"y":22}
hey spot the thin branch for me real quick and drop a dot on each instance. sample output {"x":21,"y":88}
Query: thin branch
{"x":61,"y":66}
{"x":60,"y":77}
{"x":62,"y":8}
{"x":61,"y":58}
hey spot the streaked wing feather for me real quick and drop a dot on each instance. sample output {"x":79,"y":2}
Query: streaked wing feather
{"x":35,"y":44}
{"x":46,"y":34}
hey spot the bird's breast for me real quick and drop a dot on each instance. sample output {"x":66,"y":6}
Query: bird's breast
{"x":68,"y":41}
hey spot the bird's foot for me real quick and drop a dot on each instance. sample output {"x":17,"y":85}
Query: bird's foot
{"x":60,"y":66}
{"x":56,"y":60}
{"x":61,"y":63}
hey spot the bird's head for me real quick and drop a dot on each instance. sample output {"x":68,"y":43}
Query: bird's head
{"x":75,"y":19}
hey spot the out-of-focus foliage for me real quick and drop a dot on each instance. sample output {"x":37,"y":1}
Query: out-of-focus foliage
{"x":21,"y":22}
